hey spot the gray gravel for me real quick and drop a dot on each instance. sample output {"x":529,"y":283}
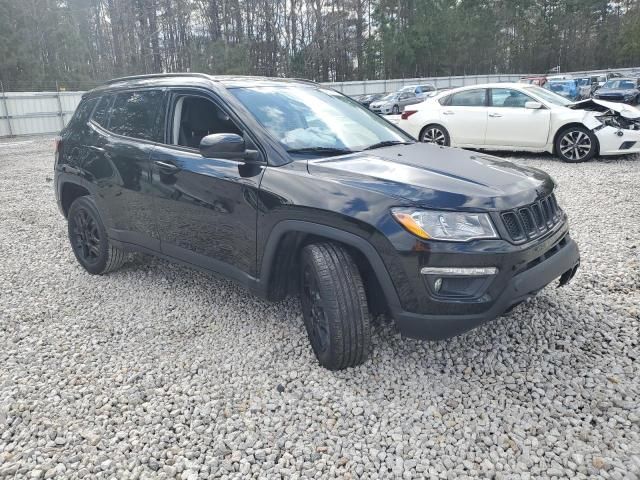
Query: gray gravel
{"x":156,"y":371}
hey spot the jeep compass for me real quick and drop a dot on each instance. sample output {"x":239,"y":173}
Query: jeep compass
{"x":291,"y":188}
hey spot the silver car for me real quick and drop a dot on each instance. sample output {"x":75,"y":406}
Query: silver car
{"x":394,"y":103}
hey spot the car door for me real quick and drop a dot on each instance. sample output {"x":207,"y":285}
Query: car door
{"x":408,"y":98}
{"x":464,"y":115}
{"x":511,"y":124}
{"x":206,"y":207}
{"x":125,"y":128}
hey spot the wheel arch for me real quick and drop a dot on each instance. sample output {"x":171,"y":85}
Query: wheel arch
{"x":566,"y":126}
{"x":288,"y":237}
{"x":434,"y":124}
{"x":69,"y":191}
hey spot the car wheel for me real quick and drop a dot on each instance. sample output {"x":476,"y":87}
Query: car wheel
{"x":334,"y":306}
{"x":576,"y":144}
{"x":395,"y":110}
{"x":89,"y":240}
{"x":435,"y":134}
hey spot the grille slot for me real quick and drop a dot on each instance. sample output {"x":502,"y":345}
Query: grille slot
{"x":532,"y":220}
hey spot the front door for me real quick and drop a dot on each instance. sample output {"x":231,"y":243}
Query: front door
{"x":206,"y":209}
{"x":510,"y":124}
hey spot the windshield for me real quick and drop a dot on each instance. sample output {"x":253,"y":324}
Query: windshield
{"x":623,"y":84}
{"x":391,"y":96}
{"x":548,"y":96}
{"x":302,"y":117}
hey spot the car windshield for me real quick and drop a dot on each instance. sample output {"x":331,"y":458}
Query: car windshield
{"x":312,"y":119}
{"x":547,"y":95}
{"x":622,"y":84}
{"x":584,"y":81}
{"x":391,"y":96}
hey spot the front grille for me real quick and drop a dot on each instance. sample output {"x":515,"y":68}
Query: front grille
{"x":532,"y":220}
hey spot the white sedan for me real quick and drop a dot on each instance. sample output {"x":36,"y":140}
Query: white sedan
{"x":520,"y":117}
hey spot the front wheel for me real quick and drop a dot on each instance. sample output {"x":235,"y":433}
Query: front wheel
{"x":436,"y":134}
{"x":334,"y":306}
{"x":576,"y":144}
{"x":395,"y":110}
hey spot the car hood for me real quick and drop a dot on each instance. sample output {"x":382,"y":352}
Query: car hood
{"x":626,"y":111}
{"x":621,"y":91}
{"x":437,"y":177}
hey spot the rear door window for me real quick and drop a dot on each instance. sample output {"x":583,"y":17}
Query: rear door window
{"x":469,"y":98}
{"x":135,"y":114}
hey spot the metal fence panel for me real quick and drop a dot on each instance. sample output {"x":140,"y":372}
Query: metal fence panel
{"x":27,"y":113}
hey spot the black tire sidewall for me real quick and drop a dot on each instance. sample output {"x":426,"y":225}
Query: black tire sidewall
{"x":395,"y":110}
{"x":592,"y":137}
{"x":87,"y":204}
{"x":445,"y":132}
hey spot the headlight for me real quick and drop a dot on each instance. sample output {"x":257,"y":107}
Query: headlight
{"x":450,"y":226}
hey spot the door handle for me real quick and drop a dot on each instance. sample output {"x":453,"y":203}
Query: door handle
{"x":495,"y":115}
{"x":447,"y":112}
{"x":167,"y":167}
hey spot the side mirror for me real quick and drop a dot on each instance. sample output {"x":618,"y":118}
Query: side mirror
{"x":230,"y":146}
{"x":533,"y":105}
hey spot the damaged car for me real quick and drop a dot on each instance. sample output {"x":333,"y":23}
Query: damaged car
{"x":521,"y":117}
{"x":625,"y":90}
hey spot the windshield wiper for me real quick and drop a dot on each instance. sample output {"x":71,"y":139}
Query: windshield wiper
{"x":387,"y":143}
{"x":321,"y":150}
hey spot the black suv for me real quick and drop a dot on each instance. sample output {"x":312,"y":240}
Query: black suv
{"x":288,"y":187}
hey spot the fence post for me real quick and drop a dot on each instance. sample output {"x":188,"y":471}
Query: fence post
{"x":6,"y":109}
{"x":60,"y":114}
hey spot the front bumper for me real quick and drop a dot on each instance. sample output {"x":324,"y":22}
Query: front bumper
{"x":522,"y":272}
{"x":617,"y":141}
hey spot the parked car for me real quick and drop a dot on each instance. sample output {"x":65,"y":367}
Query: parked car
{"x":421,"y":91}
{"x":254,"y":179}
{"x":540,"y":81}
{"x":567,"y":88}
{"x":394,"y":103}
{"x":626,"y":90}
{"x":586,"y":87}
{"x":516,"y":116}
{"x":365,"y":100}
{"x":605,"y":77}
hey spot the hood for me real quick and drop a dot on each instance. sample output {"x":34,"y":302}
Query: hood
{"x":616,"y":91}
{"x":437,"y":177}
{"x":625,"y":110}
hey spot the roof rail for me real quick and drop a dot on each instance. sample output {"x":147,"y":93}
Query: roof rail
{"x":158,"y":75}
{"x":306,"y":80}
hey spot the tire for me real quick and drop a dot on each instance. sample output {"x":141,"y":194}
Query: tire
{"x":576,"y":144}
{"x":89,"y":240}
{"x":395,"y":110}
{"x":334,"y":306}
{"x":435,"y":134}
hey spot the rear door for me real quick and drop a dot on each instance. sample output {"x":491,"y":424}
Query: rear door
{"x":510,"y":124}
{"x":206,"y":207}
{"x":126,"y":127}
{"x":464,"y":115}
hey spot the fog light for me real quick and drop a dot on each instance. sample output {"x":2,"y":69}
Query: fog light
{"x":437,"y":285}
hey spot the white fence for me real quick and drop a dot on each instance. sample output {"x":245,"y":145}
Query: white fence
{"x":34,"y":113}
{"x":30,"y":113}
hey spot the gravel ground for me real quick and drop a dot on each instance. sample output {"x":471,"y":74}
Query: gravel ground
{"x":157,"y":371}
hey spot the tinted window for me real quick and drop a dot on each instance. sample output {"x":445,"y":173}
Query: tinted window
{"x":505,"y":97}
{"x":83,"y":111}
{"x":468,"y":98}
{"x":427,"y":88}
{"x":134,"y":114}
{"x":101,"y":113}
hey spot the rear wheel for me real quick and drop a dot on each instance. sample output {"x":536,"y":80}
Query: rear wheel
{"x":89,"y":240}
{"x":435,"y":134}
{"x":576,"y":144}
{"x":334,"y":306}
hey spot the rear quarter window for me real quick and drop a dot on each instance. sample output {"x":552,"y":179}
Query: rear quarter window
{"x":101,"y":113}
{"x":83,"y":111}
{"x":135,"y":114}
